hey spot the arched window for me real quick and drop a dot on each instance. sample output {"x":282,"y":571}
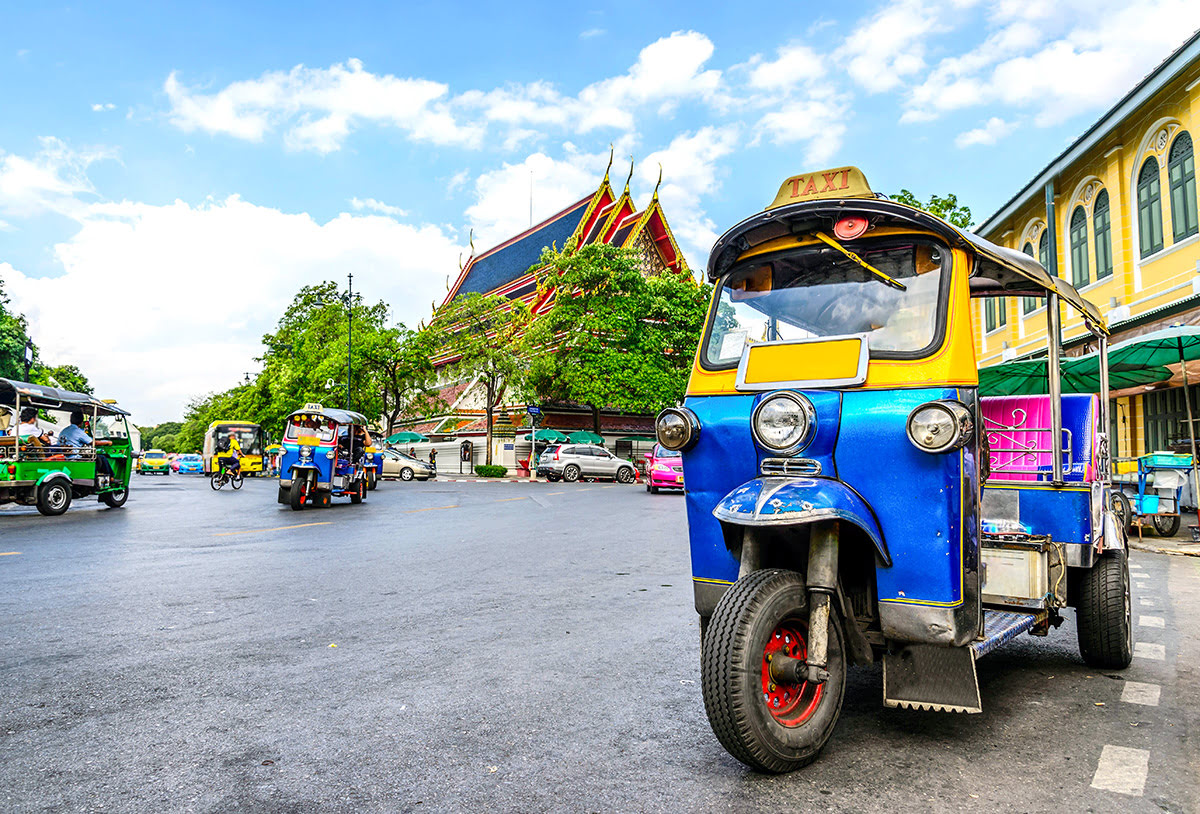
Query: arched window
{"x":1150,"y":230}
{"x":1044,"y":249}
{"x":1028,"y":304}
{"x":1079,"y":247}
{"x":1181,"y":176}
{"x":1102,"y":229}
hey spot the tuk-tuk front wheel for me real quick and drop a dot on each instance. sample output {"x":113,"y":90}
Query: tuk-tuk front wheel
{"x":769,"y":725}
{"x":54,"y":497}
{"x":298,"y":493}
{"x":372,"y":480}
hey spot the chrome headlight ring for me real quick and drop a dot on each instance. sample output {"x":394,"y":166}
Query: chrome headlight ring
{"x":790,"y":407}
{"x":940,"y":426}
{"x":677,"y":428}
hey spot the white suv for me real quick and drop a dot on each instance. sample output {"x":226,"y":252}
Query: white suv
{"x":570,"y":462}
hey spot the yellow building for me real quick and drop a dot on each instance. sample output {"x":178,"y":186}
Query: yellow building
{"x":1116,"y":215}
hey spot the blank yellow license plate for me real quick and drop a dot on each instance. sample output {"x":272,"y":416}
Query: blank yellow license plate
{"x":834,"y":360}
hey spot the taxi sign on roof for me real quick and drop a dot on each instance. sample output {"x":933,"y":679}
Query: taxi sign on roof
{"x":843,"y":182}
{"x":313,"y":407}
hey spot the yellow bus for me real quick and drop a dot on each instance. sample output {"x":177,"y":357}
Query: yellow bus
{"x":249,"y":436}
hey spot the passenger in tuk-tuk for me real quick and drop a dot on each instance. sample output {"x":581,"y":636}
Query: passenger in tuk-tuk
{"x":29,"y":432}
{"x":76,"y":436}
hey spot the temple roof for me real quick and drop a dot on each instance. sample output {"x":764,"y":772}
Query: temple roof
{"x":510,"y":260}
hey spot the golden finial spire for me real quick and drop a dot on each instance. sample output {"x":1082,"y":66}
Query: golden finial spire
{"x":630,"y":176}
{"x":654,"y":197}
{"x":471,"y":240}
{"x":610,"y":160}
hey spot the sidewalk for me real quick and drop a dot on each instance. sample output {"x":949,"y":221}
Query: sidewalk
{"x":1180,"y":545}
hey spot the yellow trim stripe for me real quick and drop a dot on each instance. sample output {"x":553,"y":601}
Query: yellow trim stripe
{"x":712,"y":581}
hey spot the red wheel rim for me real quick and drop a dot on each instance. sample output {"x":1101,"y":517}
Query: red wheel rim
{"x":789,"y":704}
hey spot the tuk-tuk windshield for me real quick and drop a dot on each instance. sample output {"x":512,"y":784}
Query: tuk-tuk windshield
{"x":310,"y":427}
{"x":111,"y":428}
{"x":816,"y":291}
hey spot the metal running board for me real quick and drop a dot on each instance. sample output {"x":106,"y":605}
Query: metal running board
{"x":1000,"y":627}
{"x":943,"y":679}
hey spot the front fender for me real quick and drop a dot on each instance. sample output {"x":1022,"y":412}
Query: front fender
{"x":797,"y":501}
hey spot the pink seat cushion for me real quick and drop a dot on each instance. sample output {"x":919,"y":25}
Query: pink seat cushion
{"x":1018,"y":425}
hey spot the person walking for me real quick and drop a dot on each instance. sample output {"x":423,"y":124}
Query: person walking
{"x":433,"y":458}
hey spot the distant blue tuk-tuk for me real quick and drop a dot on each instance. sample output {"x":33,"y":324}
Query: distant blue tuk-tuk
{"x":324,"y":456}
{"x":850,"y":495}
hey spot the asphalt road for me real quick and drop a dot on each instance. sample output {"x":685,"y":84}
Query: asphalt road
{"x":498,"y":647}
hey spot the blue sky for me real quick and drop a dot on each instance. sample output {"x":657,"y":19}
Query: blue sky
{"x":191,"y":166}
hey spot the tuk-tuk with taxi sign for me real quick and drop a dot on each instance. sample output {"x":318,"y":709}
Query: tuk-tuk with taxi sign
{"x":324,"y":456}
{"x":852,"y":497}
{"x":91,"y":454}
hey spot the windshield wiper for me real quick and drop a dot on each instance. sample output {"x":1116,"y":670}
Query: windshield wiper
{"x":827,"y":239}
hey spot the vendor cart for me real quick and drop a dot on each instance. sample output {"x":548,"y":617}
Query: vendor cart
{"x":1150,"y":494}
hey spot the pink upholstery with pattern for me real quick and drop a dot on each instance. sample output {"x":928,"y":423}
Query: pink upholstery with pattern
{"x":1017,"y":424}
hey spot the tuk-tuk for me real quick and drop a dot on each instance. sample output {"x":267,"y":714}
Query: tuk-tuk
{"x":47,"y":472}
{"x":324,"y":456}
{"x":851,"y":498}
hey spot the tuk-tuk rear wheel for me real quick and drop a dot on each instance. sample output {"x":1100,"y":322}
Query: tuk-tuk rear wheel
{"x":54,"y":497}
{"x":768,"y":726}
{"x":115,"y":500}
{"x":1103,"y":613}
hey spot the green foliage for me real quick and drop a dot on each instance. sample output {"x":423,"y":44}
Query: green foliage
{"x":14,"y":331}
{"x":614,"y":337}
{"x":945,"y":207}
{"x":67,"y":377}
{"x":165,"y":436}
{"x":485,"y":334}
{"x":305,"y":360}
{"x":490,"y":471}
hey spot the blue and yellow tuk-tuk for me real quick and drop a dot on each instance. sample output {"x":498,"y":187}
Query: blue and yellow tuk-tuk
{"x":324,"y":456}
{"x":852,"y":498}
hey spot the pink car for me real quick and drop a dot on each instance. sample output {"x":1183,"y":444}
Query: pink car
{"x":664,"y":469}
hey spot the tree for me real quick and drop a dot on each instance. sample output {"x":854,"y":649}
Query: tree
{"x":68,"y":377}
{"x":398,"y":362}
{"x":945,"y":207}
{"x":14,"y":333}
{"x":484,"y":333}
{"x":614,"y":337}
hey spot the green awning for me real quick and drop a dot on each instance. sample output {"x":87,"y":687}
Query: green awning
{"x":405,"y":438}
{"x":642,"y":438}
{"x":1080,"y":374}
{"x":548,"y":436}
{"x":585,"y":437}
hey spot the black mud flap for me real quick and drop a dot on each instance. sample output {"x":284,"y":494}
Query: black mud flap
{"x":923,"y":676}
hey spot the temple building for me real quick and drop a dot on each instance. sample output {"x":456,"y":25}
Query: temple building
{"x":1116,"y":215}
{"x":511,"y":270}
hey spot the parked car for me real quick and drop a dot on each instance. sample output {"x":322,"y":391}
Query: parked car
{"x":405,"y":467}
{"x":189,"y":463}
{"x":664,"y":469}
{"x":570,"y":462}
{"x":154,"y":460}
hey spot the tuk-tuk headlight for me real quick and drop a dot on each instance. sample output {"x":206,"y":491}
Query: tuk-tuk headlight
{"x":783,"y":421}
{"x":305,"y":453}
{"x":677,"y":428}
{"x":940,"y":426}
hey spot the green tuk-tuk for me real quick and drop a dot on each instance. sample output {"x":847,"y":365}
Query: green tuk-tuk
{"x":51,"y":466}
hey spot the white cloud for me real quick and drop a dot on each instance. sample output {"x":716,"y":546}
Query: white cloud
{"x":794,"y":64}
{"x":592,"y":32}
{"x":819,"y":122}
{"x":502,"y":196}
{"x":51,"y":181}
{"x":100,"y":108}
{"x":319,"y":106}
{"x":691,"y":173}
{"x":992,"y":131}
{"x":1056,"y":60}
{"x":889,"y":46}
{"x":373,"y":205}
{"x":169,"y":268}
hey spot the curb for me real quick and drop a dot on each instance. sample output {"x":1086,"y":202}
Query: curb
{"x":1153,"y":549}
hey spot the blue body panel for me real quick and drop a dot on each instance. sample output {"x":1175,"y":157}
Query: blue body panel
{"x":917,"y":497}
{"x":291,"y":459}
{"x":1063,"y":513}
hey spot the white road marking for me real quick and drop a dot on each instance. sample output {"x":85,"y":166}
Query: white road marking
{"x":1146,"y":650}
{"x":1151,"y":621}
{"x":1146,"y":603}
{"x":1133,"y":566}
{"x":1136,"y":692}
{"x":1122,"y":770}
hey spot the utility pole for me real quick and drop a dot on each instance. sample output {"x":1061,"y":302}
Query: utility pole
{"x":28,"y":357}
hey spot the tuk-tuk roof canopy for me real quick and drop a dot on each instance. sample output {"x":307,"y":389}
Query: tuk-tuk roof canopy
{"x":53,"y":398}
{"x":333,"y":414}
{"x":998,"y":271}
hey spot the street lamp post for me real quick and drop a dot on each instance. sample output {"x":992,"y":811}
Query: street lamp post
{"x":28,"y":357}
